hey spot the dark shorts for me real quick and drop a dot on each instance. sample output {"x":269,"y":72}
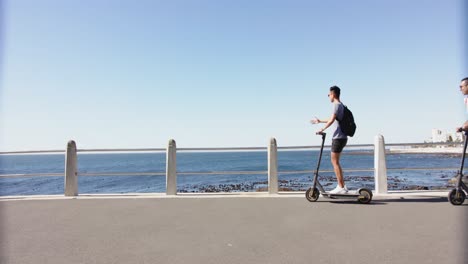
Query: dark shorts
{"x":338,"y":144}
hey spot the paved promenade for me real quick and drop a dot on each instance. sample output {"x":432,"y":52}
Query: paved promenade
{"x":399,"y":228}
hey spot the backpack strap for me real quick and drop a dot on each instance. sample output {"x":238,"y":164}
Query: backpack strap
{"x":345,"y":107}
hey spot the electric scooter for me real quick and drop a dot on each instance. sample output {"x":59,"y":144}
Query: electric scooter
{"x":457,"y":195}
{"x":362,"y":195}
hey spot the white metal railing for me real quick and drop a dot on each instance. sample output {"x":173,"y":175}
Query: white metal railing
{"x":71,"y":172}
{"x":121,"y":173}
{"x":30,"y":175}
{"x":31,"y":152}
{"x":123,"y":150}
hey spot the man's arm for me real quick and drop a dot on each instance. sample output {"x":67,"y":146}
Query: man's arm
{"x":329,"y":122}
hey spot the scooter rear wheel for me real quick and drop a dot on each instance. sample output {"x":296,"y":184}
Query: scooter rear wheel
{"x":456,"y":199}
{"x":365,"y":196}
{"x":312,"y":194}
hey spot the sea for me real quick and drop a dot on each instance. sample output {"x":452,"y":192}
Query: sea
{"x":435,"y":172}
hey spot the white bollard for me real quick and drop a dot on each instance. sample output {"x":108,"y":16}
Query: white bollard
{"x":380,"y":165}
{"x":171,"y":168}
{"x":272,"y":167}
{"x":71,"y":170}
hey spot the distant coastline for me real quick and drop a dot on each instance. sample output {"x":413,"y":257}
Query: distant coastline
{"x":428,"y":150}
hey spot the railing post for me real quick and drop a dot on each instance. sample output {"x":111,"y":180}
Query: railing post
{"x":171,"y":168}
{"x":71,"y":170}
{"x":272,"y":167}
{"x":380,"y":165}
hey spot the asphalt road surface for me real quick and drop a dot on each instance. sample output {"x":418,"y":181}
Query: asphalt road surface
{"x":232,"y":230}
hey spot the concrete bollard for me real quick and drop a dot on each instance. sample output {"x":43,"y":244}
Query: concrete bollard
{"x":71,"y":170}
{"x":171,"y":168}
{"x":380,"y":165}
{"x":272,"y":167}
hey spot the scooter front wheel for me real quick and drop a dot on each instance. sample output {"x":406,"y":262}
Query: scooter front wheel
{"x":365,"y":196}
{"x":456,"y":198}
{"x":312,"y":194}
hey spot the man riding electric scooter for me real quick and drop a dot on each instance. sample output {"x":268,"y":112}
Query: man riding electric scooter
{"x":339,"y":137}
{"x":457,"y":195}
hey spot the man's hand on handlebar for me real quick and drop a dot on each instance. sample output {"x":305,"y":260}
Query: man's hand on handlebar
{"x":463,"y":128}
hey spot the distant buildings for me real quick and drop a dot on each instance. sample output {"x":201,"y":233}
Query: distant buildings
{"x":439,"y":136}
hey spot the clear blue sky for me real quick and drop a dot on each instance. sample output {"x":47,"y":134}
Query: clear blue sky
{"x":209,"y":73}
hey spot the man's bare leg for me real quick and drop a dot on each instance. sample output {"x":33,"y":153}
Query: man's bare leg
{"x":335,"y":160}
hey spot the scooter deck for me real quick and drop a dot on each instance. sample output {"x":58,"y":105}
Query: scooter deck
{"x":349,"y":195}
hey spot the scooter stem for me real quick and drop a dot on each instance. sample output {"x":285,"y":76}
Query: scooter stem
{"x":464,"y":152}
{"x":321,"y":150}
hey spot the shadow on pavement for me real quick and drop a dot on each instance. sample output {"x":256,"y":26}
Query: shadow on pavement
{"x":397,"y":200}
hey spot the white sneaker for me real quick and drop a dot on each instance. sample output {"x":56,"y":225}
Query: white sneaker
{"x":339,"y":190}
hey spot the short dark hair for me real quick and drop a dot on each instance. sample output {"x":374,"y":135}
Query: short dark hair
{"x":336,"y":90}
{"x":464,"y":79}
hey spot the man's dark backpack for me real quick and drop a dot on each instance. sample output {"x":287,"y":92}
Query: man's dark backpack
{"x":347,"y":124}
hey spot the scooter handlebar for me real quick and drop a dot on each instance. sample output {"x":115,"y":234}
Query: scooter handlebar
{"x":323,"y":134}
{"x":463,"y":130}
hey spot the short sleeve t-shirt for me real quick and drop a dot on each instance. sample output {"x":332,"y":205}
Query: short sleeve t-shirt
{"x":465,"y":101}
{"x":338,"y":110}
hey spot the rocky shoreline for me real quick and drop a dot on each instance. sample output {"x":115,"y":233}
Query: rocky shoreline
{"x":394,"y":183}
